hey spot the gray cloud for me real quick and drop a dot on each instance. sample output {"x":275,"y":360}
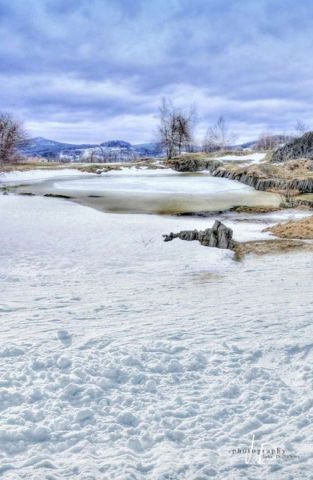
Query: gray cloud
{"x":76,"y":63}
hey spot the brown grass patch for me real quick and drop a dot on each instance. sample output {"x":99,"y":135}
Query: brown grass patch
{"x":295,"y":169}
{"x":257,"y":209}
{"x":209,"y":155}
{"x":299,"y":229}
{"x":264,"y":247}
{"x":37,"y":164}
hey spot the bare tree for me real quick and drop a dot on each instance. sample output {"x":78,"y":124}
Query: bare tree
{"x":175,"y":129}
{"x":218,"y":137}
{"x":266,"y":141}
{"x":300,"y":128}
{"x":11,"y":135}
{"x":183,"y":133}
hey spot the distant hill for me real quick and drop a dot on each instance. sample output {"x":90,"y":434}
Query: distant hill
{"x":116,"y":144}
{"x":110,"y":151}
{"x":42,"y":147}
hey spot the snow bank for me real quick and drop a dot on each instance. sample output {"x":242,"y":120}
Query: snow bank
{"x":126,"y":357}
{"x":256,"y":157}
{"x":38,"y":175}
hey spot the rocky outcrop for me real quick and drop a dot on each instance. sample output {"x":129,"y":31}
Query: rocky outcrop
{"x":298,"y":148}
{"x":193,"y":164}
{"x":253,"y":180}
{"x":264,"y":177}
{"x":218,"y":236}
{"x":304,"y":185}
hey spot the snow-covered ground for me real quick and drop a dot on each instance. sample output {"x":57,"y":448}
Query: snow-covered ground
{"x":37,"y":175}
{"x":124,"y":357}
{"x":256,"y":157}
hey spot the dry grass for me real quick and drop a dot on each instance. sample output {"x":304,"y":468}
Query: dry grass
{"x":299,"y":229}
{"x":32,"y":164}
{"x":294,"y":169}
{"x":264,"y":247}
{"x":108,"y":167}
{"x":191,"y":156}
{"x":97,"y":167}
{"x":36,"y":164}
{"x":257,"y":209}
{"x":210,"y":155}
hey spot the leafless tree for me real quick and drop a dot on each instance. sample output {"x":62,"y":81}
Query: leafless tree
{"x":266,"y":141}
{"x":218,"y":137}
{"x":175,"y":129}
{"x":11,"y":135}
{"x":183,"y":127}
{"x":301,"y":128}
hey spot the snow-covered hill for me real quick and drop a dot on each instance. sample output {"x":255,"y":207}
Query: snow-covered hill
{"x":111,"y":151}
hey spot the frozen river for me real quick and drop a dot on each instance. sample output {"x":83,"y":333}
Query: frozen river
{"x":124,"y":357}
{"x":153,"y":191}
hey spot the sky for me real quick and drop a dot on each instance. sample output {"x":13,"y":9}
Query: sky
{"x":94,"y":70}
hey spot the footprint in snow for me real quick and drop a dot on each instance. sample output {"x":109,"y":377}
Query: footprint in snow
{"x":65,"y":337}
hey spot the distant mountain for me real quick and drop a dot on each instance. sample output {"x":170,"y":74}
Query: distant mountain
{"x":116,"y":144}
{"x":111,"y":151}
{"x":42,"y":147}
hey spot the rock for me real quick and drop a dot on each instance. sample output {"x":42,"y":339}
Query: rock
{"x":193,"y":164}
{"x":298,"y":148}
{"x":56,"y":195}
{"x":218,"y":236}
{"x":249,"y":178}
{"x":257,"y":181}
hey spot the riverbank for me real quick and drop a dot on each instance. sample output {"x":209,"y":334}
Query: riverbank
{"x":45,"y":166}
{"x":293,"y":180}
{"x":138,"y":189}
{"x":289,"y":179}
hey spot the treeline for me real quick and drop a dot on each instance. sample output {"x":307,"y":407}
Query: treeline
{"x":176,"y":132}
{"x":175,"y":135}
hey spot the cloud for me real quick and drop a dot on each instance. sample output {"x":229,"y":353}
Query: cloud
{"x":66,"y":66}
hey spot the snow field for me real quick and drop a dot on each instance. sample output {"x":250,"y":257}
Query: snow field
{"x":256,"y":157}
{"x":123,"y":357}
{"x":38,"y":175}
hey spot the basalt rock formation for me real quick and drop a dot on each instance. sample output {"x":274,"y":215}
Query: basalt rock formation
{"x":298,"y":148}
{"x":218,"y":236}
{"x":253,"y":179}
{"x":291,"y":176}
{"x":259,"y":181}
